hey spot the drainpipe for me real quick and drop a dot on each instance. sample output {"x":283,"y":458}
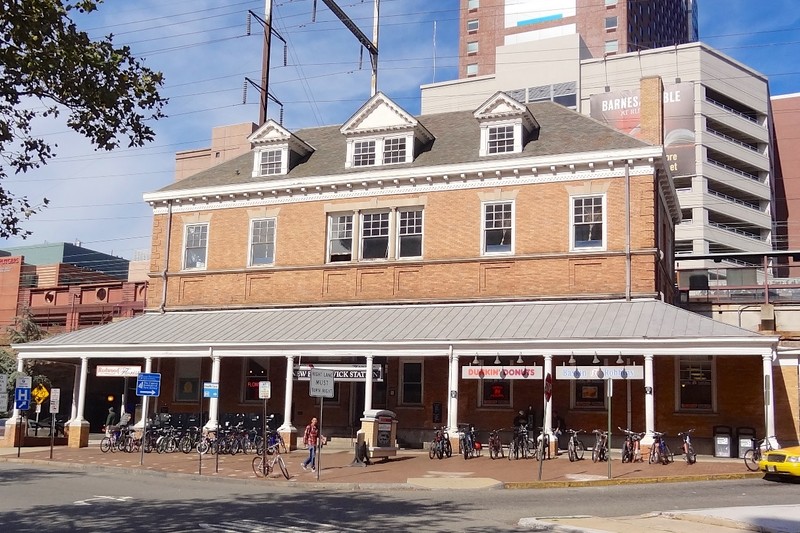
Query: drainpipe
{"x":163,"y":306}
{"x":628,"y":267}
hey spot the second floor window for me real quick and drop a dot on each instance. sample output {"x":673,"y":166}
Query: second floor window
{"x":497,"y":227}
{"x":375,"y":235}
{"x":587,"y":222}
{"x":262,"y":242}
{"x":196,"y":246}
{"x":340,"y":238}
{"x":409,"y":234}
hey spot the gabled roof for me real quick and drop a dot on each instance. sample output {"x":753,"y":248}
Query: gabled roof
{"x":457,"y":140}
{"x":501,"y":106}
{"x":380,"y":114}
{"x":273,"y":133}
{"x":648,"y":326}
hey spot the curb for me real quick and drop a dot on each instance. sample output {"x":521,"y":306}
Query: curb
{"x":630,"y":481}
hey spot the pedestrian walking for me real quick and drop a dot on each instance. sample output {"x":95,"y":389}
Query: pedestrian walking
{"x":310,"y":437}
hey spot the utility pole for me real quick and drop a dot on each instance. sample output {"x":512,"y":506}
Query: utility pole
{"x":262,"y":115}
{"x":371,"y":46}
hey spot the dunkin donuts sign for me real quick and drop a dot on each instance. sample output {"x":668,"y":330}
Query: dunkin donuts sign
{"x":501,"y":372}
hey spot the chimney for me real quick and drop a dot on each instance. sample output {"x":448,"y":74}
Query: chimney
{"x":652,"y":110}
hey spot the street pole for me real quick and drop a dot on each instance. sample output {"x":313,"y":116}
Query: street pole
{"x":610,"y":395}
{"x":319,"y":436}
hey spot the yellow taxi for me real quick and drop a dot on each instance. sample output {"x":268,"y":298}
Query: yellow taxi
{"x":785,"y":461}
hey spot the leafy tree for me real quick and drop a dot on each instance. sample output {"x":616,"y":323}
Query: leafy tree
{"x":26,"y":330}
{"x":49,"y":67}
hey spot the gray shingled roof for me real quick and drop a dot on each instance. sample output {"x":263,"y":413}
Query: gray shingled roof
{"x":457,"y":139}
{"x":391,"y":324}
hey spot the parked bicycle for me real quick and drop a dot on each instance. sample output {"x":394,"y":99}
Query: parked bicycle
{"x":263,"y":466}
{"x":631,"y":450}
{"x":468,"y":443}
{"x":659,"y":451}
{"x":495,"y":444}
{"x":600,"y":449}
{"x":688,"y":449}
{"x":575,"y":447}
{"x":753,"y":455}
{"x":440,"y":445}
{"x":519,"y":447}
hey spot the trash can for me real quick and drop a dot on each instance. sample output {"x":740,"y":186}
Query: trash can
{"x":380,"y":431}
{"x":744,"y":438}
{"x":722,"y":441}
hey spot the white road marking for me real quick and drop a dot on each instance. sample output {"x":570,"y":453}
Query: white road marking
{"x":97,"y":499}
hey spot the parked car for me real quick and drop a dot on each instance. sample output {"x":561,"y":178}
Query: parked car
{"x":784,"y":462}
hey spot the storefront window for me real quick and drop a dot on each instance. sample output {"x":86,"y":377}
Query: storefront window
{"x":256,"y":370}
{"x":412,"y":383}
{"x":496,"y":393}
{"x":695,"y":379}
{"x":187,"y":384}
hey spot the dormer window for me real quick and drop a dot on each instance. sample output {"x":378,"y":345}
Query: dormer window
{"x":272,"y":162}
{"x":501,"y":139}
{"x":379,"y":151}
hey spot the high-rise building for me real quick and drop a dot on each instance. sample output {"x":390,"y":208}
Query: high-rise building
{"x":606,"y":27}
{"x":785,"y":121}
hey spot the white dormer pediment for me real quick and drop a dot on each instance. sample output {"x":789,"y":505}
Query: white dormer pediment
{"x":272,"y":134}
{"x":502,"y":107}
{"x":379,"y":114}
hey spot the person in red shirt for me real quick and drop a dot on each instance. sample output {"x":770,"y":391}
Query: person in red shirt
{"x":310,"y":437}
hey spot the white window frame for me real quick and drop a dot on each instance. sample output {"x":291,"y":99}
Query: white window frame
{"x":679,"y":360}
{"x":472,"y":69}
{"x":611,"y":3}
{"x":486,"y":134}
{"x":612,"y":46}
{"x":604,"y":232}
{"x":472,"y":48}
{"x":484,"y":229}
{"x":400,"y":236}
{"x":363,"y":159}
{"x":380,"y":144}
{"x":472,"y":25}
{"x":608,"y":19}
{"x":402,"y":154}
{"x":204,"y":263}
{"x":382,"y":216}
{"x":264,"y":362}
{"x":336,"y":218}
{"x":261,"y":151}
{"x":473,"y":4}
{"x":402,"y":382}
{"x":251,"y":256}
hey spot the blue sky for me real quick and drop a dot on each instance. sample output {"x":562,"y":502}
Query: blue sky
{"x":205,"y":54}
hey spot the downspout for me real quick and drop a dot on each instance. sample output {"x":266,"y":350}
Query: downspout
{"x":163,"y":307}
{"x":628,"y":267}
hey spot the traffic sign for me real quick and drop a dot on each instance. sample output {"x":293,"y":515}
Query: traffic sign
{"x":264,"y":390}
{"x":40,"y":394}
{"x":321,"y":384}
{"x":210,"y":390}
{"x":55,"y":398}
{"x":24,"y":382}
{"x":22,"y":399}
{"x":148,"y":384}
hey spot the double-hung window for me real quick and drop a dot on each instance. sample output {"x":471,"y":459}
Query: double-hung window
{"x":501,"y":139}
{"x":262,"y":242}
{"x":409,"y":233}
{"x":375,"y":235}
{"x":394,"y":150}
{"x":696,"y":383}
{"x":498,"y":227}
{"x":588,"y":226}
{"x":340,"y":238}
{"x":411,"y":383}
{"x":271,"y":162}
{"x":195,"y":246}
{"x":363,"y":153}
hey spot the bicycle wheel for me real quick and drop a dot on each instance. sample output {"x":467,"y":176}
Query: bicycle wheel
{"x":751,"y":458}
{"x":666,"y":455}
{"x":626,"y":453}
{"x":105,"y":444}
{"x":465,"y":446}
{"x":655,"y":454}
{"x":691,"y":457}
{"x":540,"y":450}
{"x":596,"y":453}
{"x":203,"y":445}
{"x":432,"y":450}
{"x":259,"y":467}
{"x":439,"y":450}
{"x":282,"y":465}
{"x":579,"y":449}
{"x":447,"y":448}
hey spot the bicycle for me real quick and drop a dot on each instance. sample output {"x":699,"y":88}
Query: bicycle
{"x":753,"y":455}
{"x":659,"y":451}
{"x":518,"y":447}
{"x":539,"y":447}
{"x":440,"y":445}
{"x":468,"y":444}
{"x":631,"y":450}
{"x":495,"y":444}
{"x":263,"y":467}
{"x":600,"y":449}
{"x":688,"y":449}
{"x":575,"y":447}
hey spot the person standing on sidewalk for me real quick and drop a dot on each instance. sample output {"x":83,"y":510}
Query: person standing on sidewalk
{"x":310,"y":437}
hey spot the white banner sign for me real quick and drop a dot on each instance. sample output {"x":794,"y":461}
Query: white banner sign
{"x":599,"y":372}
{"x":501,"y":372}
{"x":321,"y":384}
{"x":118,"y":371}
{"x":340,"y":372}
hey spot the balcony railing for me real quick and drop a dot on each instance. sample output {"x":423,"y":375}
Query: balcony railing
{"x":731,"y":229}
{"x":749,"y":205}
{"x":731,"y":139}
{"x":731,"y":110}
{"x":734,"y":170}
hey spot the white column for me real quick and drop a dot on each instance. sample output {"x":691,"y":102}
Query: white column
{"x":769,"y":396}
{"x":649,"y":398}
{"x":213,"y":403}
{"x":15,"y":414}
{"x":452,"y":400}
{"x":76,"y":389}
{"x":368,"y":384}
{"x":287,"y":398}
{"x":82,"y":390}
{"x":148,"y":368}
{"x":547,"y":419}
{"x":124,"y":398}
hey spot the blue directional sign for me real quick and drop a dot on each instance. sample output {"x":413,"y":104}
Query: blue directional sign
{"x":148,"y":384}
{"x":22,"y":399}
{"x":210,"y":390}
